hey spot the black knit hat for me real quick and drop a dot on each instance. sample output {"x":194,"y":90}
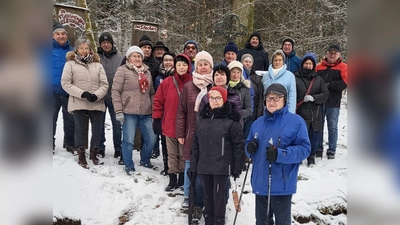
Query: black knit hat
{"x":145,"y":40}
{"x":255,"y":34}
{"x":160,"y":44}
{"x":181,"y":58}
{"x":334,"y":47}
{"x":231,"y":47}
{"x":276,"y":88}
{"x":288,"y":40}
{"x":223,"y":68}
{"x":58,"y":27}
{"x":106,"y":37}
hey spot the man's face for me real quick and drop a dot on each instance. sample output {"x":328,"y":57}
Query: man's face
{"x":254,"y":42}
{"x":229,"y":57}
{"x":190,"y":50}
{"x":274,"y":102}
{"x":146,"y":50}
{"x":106,"y":45}
{"x":332,"y":56}
{"x":60,"y":37}
{"x":287,"y":48}
{"x":159,"y":52}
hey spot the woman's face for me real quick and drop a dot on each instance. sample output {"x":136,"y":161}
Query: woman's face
{"x":181,"y":67}
{"x":308,"y":64}
{"x":220,"y":78}
{"x":83,"y":49}
{"x":203,"y":67}
{"x":277,"y":61}
{"x":235,"y":74}
{"x":248,"y":63}
{"x":274,"y":102}
{"x":215,"y":99}
{"x":136,"y":59}
{"x":168,"y":62}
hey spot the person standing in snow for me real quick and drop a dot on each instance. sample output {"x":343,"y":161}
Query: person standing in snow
{"x":217,"y":152}
{"x":85,"y":80}
{"x":277,"y":144}
{"x":255,"y":48}
{"x":293,"y":62}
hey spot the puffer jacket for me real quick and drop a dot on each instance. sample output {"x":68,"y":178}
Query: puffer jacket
{"x":260,"y":55}
{"x":218,"y":142}
{"x":311,"y":111}
{"x":293,"y":62}
{"x":289,"y":135}
{"x":126,"y":94}
{"x":243,"y":90}
{"x":110,"y":61}
{"x":78,"y":77}
{"x":59,"y":60}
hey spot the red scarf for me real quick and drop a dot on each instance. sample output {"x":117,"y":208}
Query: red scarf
{"x":143,"y":82}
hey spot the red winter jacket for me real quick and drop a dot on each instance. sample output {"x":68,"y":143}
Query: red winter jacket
{"x":166,"y":102}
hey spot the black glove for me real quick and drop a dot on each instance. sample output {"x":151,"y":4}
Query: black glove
{"x":328,"y":85}
{"x":157,"y":126}
{"x":85,"y":94}
{"x":92,"y":98}
{"x":235,"y":176}
{"x":272,"y":153}
{"x":252,"y":146}
{"x":191,"y":174}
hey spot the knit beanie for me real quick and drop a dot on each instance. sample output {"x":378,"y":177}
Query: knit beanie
{"x":203,"y":55}
{"x":276,"y":88}
{"x":288,"y":40}
{"x":231,"y":47}
{"x":245,"y":56}
{"x":160,"y":44}
{"x":182,"y":58}
{"x":134,"y":49}
{"x":235,"y":64}
{"x":58,"y":27}
{"x":145,"y":40}
{"x":279,"y":51}
{"x":255,"y":34}
{"x":311,"y":56}
{"x":106,"y":37}
{"x":334,"y":47}
{"x":221,"y":90}
{"x":191,"y":42}
{"x":225,"y":69}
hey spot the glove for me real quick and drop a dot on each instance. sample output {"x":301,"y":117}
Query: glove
{"x":192,"y":175}
{"x":92,"y":98}
{"x":272,"y":153}
{"x":85,"y":94}
{"x":328,"y":85}
{"x":235,"y":176}
{"x":120,"y":117}
{"x":252,"y":146}
{"x":157,"y":126}
{"x":308,"y":98}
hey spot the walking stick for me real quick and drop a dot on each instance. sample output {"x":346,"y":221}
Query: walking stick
{"x":271,"y":142}
{"x":241,"y":194}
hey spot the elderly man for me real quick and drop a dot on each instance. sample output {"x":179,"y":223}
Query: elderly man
{"x":293,"y":62}
{"x":159,"y":49}
{"x":255,"y":48}
{"x":190,"y":49}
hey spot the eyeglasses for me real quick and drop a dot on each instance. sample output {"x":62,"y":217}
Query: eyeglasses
{"x":190,"y":47}
{"x":276,"y":98}
{"x":216,"y":99}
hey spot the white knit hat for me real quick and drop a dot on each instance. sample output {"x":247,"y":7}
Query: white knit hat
{"x":235,"y":64}
{"x":203,"y":55}
{"x":134,"y":49}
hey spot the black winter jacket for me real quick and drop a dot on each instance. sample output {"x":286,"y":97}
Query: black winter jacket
{"x":260,"y":56}
{"x":218,"y":144}
{"x":311,"y":111}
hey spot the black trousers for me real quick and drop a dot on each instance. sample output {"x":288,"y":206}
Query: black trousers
{"x":214,"y":194}
{"x":80,"y":119}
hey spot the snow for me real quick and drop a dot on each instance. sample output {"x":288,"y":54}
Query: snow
{"x":104,"y":194}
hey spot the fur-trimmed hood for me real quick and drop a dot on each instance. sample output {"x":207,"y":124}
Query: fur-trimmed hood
{"x":71,"y":56}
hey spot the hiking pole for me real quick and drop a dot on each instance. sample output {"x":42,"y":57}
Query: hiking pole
{"x":271,"y":142}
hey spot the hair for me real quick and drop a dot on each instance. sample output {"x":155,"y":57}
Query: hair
{"x":80,"y":41}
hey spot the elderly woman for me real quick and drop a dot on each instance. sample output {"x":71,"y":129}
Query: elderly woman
{"x":278,"y":73}
{"x":132,"y":94}
{"x":85,"y":80}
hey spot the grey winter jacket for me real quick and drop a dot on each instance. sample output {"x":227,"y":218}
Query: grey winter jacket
{"x":110,"y":61}
{"x":243,"y":90}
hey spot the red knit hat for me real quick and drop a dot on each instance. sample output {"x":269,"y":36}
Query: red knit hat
{"x":221,"y":90}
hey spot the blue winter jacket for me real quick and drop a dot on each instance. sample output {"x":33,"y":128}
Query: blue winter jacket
{"x":293,"y":62}
{"x":289,"y":134}
{"x":287,"y":79}
{"x":59,"y":60}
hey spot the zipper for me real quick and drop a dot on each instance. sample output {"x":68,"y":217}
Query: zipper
{"x":223,"y":146}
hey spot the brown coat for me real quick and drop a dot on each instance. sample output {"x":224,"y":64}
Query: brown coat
{"x":126,"y":94}
{"x":78,"y":77}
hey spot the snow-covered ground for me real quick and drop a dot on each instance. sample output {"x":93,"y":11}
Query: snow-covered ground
{"x":106,"y":195}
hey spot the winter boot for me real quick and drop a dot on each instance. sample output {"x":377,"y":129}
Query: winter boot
{"x":311,"y":160}
{"x":319,"y":153}
{"x":82,"y":158}
{"x":102,"y":153}
{"x":197,"y":213}
{"x":121,"y":160}
{"x":330,"y":155}
{"x":180,"y":180}
{"x":172,"y":182}
{"x":209,"y":219}
{"x":117,"y":154}
{"x":93,"y":156}
{"x":219,"y":221}
{"x":70,"y":149}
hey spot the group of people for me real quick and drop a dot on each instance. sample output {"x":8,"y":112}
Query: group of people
{"x":211,"y":118}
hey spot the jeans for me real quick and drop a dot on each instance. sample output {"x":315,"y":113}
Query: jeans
{"x":68,"y":119}
{"x":80,"y":118}
{"x":332,"y":117}
{"x":143,"y":122}
{"x":199,"y":197}
{"x":280,"y":206}
{"x":116,"y":126}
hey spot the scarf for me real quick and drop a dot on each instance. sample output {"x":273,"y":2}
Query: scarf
{"x":85,"y":59}
{"x":201,"y":82}
{"x":276,"y":71}
{"x":143,"y":82}
{"x":233,"y":83}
